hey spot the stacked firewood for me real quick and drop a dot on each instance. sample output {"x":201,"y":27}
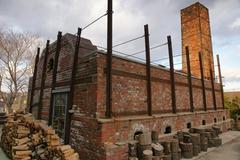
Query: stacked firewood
{"x":24,"y":138}
{"x":198,"y":140}
{"x":186,"y":144}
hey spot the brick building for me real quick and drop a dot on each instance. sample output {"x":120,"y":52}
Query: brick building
{"x":86,"y":127}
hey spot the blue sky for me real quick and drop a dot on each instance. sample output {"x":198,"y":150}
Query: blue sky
{"x":45,"y":18}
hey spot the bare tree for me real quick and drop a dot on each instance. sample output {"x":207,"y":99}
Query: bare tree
{"x":17,"y":52}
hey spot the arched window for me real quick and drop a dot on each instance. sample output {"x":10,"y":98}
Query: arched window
{"x":215,"y":120}
{"x":136,"y":134}
{"x":203,"y":122}
{"x":168,"y":130}
{"x":189,"y":125}
{"x":50,"y":65}
{"x":224,"y":118}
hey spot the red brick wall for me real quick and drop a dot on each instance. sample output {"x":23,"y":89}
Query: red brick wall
{"x":129,"y":89}
{"x":123,"y":129}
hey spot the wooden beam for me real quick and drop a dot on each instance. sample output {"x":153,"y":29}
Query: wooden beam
{"x":203,"y":82}
{"x":72,"y":89}
{"x":43,"y":79}
{"x":189,"y":80}
{"x":213,"y":87}
{"x":220,"y":81}
{"x":172,"y":78}
{"x":108,"y":112}
{"x":54,"y":77}
{"x":34,"y":80}
{"x":148,"y":70}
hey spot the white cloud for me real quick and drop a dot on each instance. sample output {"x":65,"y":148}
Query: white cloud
{"x":163,"y":17}
{"x":231,"y":79}
{"x":235,"y":24}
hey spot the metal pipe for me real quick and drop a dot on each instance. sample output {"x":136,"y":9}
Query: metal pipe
{"x":148,"y":70}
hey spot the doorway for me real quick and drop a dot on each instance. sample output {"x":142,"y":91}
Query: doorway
{"x":60,"y":101}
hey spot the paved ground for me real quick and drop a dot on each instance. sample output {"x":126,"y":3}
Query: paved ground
{"x":230,"y":150}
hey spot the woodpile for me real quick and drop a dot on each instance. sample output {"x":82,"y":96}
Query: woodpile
{"x":188,"y":144}
{"x":24,"y":138}
{"x":146,"y":146}
{"x":3,"y":117}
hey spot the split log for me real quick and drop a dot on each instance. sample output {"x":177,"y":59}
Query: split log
{"x":157,"y":149}
{"x":155,"y":137}
{"x":145,"y":139}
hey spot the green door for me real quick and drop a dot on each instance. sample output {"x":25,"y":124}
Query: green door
{"x":59,"y":113}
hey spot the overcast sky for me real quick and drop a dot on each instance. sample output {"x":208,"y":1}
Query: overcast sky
{"x":45,"y":18}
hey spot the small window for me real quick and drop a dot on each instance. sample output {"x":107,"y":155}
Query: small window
{"x":203,"y":122}
{"x":189,"y":125}
{"x":224,"y":118}
{"x":215,"y":120}
{"x":50,"y":65}
{"x":137,"y":134}
{"x":168,"y":130}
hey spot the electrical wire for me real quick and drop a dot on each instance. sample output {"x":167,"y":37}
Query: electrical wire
{"x":94,"y":21}
{"x":131,"y":40}
{"x":152,"y":48}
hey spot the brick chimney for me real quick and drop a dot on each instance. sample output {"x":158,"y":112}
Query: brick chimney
{"x":196,"y":34}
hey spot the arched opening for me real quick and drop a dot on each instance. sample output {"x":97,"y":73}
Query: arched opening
{"x":189,"y":125}
{"x":137,"y":134}
{"x":50,"y":65}
{"x":168,"y":130}
{"x":203,"y":122}
{"x":224,"y":118}
{"x":215,"y":120}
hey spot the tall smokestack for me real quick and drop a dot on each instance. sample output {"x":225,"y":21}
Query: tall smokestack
{"x":196,"y":34}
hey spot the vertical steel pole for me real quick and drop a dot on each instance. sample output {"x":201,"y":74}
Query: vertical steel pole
{"x":43,"y":80}
{"x":189,"y":80}
{"x":213,"y":87}
{"x":108,"y":113}
{"x":220,"y":80}
{"x":203,"y":82}
{"x":54,"y":77}
{"x":34,"y":80}
{"x":71,"y":93}
{"x":172,"y":79}
{"x":148,"y":70}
